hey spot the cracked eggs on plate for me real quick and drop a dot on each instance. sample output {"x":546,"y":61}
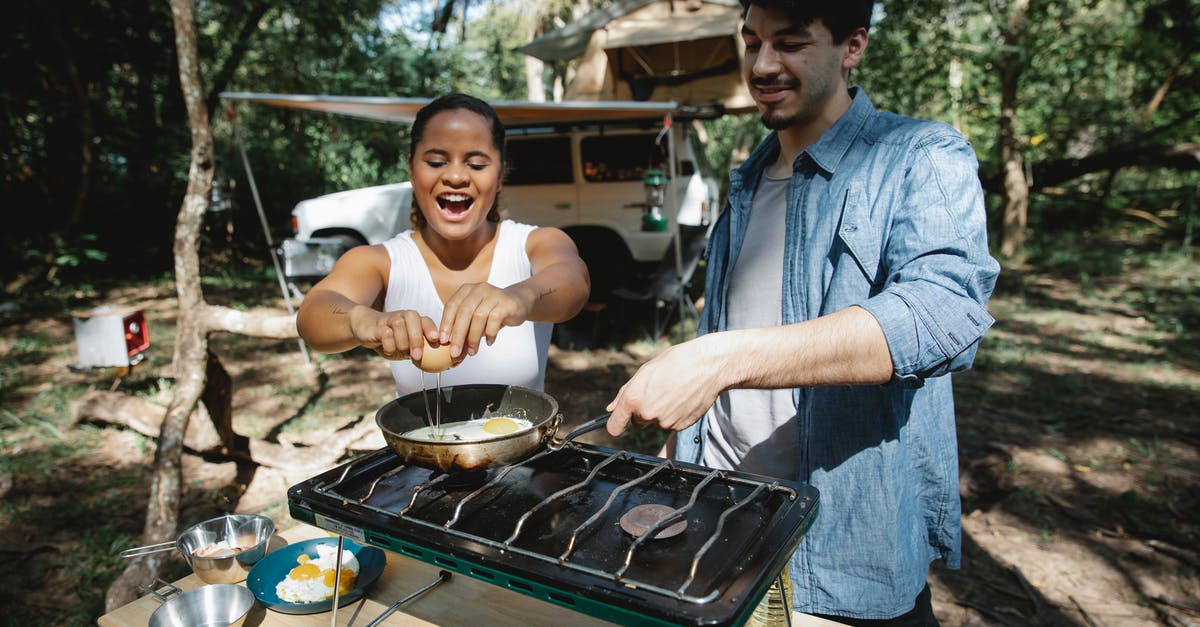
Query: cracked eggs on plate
{"x":312,"y":578}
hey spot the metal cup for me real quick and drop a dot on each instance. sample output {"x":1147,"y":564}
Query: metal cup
{"x":250,"y":532}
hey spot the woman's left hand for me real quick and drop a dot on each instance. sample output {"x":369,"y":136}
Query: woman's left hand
{"x":478,"y":311}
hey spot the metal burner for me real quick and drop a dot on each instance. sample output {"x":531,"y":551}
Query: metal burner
{"x":642,"y":518}
{"x":467,"y":480}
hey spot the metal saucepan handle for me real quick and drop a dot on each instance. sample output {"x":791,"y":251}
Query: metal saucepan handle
{"x":171,"y":590}
{"x":443,"y":576}
{"x":591,"y":425}
{"x":148,"y":549}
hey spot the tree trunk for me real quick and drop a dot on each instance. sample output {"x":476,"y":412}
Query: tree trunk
{"x":191,"y":340}
{"x":1016,"y":187}
{"x":1012,"y":157}
{"x":535,"y":86}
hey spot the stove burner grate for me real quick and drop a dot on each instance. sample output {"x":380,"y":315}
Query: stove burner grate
{"x":567,"y":511}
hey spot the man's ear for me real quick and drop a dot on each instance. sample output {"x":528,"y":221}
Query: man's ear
{"x":856,"y":46}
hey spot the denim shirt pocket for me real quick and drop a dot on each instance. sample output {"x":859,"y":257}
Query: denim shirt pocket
{"x":860,"y":236}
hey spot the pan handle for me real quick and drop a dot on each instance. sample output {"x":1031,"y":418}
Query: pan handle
{"x":591,"y":425}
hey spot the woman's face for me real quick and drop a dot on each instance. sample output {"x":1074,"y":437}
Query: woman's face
{"x":455,"y":171}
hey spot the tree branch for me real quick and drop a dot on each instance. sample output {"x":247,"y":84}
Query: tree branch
{"x":237,"y":52}
{"x":267,"y":324}
{"x":1051,"y":173}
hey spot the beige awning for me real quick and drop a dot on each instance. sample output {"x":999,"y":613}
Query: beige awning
{"x":514,"y":113}
{"x":683,"y":29}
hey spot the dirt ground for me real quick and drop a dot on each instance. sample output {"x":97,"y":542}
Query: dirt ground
{"x":1078,"y":433}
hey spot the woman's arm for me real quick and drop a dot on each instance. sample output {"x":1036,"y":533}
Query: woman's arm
{"x":556,"y":291}
{"x":560,"y":284}
{"x":342,"y":310}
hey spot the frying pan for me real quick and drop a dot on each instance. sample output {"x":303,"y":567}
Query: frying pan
{"x":468,"y":402}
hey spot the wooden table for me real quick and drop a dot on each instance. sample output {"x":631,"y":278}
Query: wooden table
{"x":460,"y":601}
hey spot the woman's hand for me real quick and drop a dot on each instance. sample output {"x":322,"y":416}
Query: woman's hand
{"x":395,"y":335}
{"x":478,"y":311}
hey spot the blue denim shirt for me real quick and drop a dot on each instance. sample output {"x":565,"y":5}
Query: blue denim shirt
{"x":886,"y":213}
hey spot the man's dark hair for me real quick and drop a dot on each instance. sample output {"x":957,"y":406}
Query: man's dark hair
{"x":841,"y":18}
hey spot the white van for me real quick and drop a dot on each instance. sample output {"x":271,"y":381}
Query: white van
{"x":586,"y":179}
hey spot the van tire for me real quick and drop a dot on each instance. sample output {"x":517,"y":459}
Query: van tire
{"x":608,"y":260}
{"x":346,"y":239}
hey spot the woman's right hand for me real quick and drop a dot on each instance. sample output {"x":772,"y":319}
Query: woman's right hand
{"x":395,"y":335}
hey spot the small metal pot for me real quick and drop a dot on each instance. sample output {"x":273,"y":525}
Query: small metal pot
{"x":219,"y":604}
{"x":467,"y":402}
{"x":249,"y":531}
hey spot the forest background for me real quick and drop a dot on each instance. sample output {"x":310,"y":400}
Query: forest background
{"x":1085,"y":115}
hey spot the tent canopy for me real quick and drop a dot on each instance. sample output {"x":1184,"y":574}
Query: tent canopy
{"x":571,"y":41}
{"x":514,"y":113}
{"x":680,"y":28}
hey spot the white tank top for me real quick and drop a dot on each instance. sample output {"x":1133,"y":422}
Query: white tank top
{"x":518,"y":357}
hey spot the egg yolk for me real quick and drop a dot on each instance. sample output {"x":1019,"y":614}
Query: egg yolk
{"x":305,"y":571}
{"x":346,"y":582}
{"x":500,"y":426}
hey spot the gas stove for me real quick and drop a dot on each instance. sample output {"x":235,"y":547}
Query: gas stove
{"x":623,"y":537}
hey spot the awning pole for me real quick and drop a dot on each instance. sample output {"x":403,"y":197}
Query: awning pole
{"x":671,"y":202}
{"x":262,"y":217}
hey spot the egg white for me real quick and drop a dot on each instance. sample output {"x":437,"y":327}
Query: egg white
{"x":312,"y":590}
{"x":468,"y":431}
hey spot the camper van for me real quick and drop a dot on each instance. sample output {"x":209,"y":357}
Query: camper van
{"x":606,"y":185}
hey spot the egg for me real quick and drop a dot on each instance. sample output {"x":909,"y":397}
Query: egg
{"x":501,"y":426}
{"x":470,"y":430}
{"x":311,"y":580}
{"x":434,"y":359}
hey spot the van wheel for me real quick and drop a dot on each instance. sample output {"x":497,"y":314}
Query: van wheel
{"x":608,"y":260}
{"x":347,"y":241}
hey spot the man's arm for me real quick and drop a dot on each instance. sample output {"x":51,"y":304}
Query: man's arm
{"x":927,"y":321}
{"x":675,"y":388}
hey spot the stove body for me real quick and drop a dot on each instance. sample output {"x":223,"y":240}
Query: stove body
{"x":549,"y":527}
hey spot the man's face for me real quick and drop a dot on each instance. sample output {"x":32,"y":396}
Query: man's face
{"x":793,"y":72}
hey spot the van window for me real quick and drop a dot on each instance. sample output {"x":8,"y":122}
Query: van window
{"x":612,"y":158}
{"x":539,"y":161}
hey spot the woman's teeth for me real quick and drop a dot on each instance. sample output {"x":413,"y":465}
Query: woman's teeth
{"x":455,"y":202}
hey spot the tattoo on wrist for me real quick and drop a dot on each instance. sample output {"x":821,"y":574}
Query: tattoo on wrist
{"x":546,"y":293}
{"x":338,"y":311}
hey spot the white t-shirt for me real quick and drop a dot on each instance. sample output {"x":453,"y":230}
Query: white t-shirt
{"x":755,"y":430}
{"x":518,"y":357}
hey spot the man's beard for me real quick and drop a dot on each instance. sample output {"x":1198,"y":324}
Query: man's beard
{"x":778,"y":121}
{"x":772,"y":119}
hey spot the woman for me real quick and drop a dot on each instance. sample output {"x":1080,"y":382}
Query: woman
{"x":460,"y":276}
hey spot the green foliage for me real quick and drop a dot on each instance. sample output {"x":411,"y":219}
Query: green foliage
{"x":94,"y":138}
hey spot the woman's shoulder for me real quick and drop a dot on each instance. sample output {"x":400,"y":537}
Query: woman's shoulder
{"x":510,"y":226}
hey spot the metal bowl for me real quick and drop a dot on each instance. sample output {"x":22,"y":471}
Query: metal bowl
{"x":250,"y":532}
{"x":219,"y":604}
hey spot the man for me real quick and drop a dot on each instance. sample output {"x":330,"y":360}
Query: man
{"x":847,"y":276}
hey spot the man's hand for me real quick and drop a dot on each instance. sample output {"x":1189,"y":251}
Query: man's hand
{"x":671,"y":391}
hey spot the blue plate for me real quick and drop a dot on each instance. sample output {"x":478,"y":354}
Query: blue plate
{"x":274,"y":568}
